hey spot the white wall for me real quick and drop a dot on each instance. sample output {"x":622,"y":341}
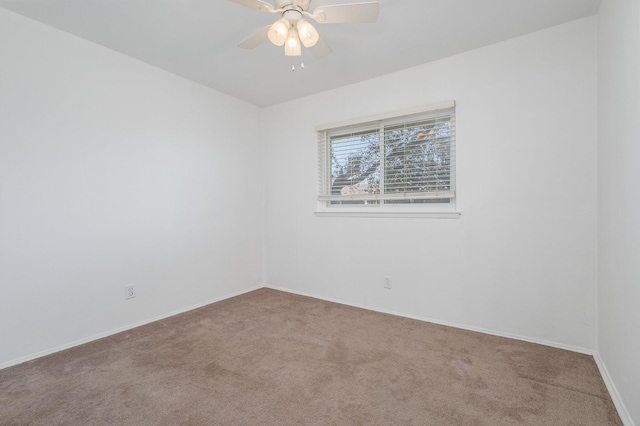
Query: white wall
{"x":619,"y":196}
{"x":114,"y":172}
{"x":521,"y":260}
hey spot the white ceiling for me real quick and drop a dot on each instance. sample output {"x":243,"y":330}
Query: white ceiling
{"x":197,"y":39}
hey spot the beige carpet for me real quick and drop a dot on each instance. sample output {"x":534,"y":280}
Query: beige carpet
{"x":272,"y":358}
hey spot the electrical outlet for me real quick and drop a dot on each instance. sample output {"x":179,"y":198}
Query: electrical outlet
{"x":130,"y":291}
{"x":387,"y":282}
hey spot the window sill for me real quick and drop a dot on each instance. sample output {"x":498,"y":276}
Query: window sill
{"x":388,"y":213}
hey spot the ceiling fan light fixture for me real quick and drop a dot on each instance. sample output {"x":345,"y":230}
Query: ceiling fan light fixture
{"x":292,"y":45}
{"x":278,"y":32}
{"x":308,"y":34}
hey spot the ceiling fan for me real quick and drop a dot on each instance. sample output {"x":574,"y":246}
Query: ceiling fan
{"x":293,"y":28}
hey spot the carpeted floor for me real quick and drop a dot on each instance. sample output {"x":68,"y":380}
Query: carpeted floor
{"x":273,"y":358}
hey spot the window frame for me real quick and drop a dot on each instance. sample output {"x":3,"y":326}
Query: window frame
{"x":383,"y":209}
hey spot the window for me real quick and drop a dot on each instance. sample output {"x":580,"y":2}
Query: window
{"x":390,"y":161}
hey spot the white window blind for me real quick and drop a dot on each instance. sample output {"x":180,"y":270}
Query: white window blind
{"x":407,"y":159}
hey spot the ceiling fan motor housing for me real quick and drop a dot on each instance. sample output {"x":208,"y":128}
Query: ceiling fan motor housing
{"x":292,"y":15}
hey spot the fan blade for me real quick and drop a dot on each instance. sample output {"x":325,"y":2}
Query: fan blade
{"x":260,"y":5}
{"x":347,"y":13}
{"x":256,"y":39}
{"x":320,"y":49}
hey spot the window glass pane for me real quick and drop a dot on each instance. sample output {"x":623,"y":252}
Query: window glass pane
{"x":418,"y":157}
{"x":355,"y":164}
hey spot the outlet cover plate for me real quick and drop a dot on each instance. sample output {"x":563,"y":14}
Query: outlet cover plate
{"x":387,"y":282}
{"x":130,"y":291}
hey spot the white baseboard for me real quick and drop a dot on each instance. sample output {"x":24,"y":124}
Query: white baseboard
{"x":571,"y":348}
{"x":613,"y":391}
{"x":121,"y":329}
